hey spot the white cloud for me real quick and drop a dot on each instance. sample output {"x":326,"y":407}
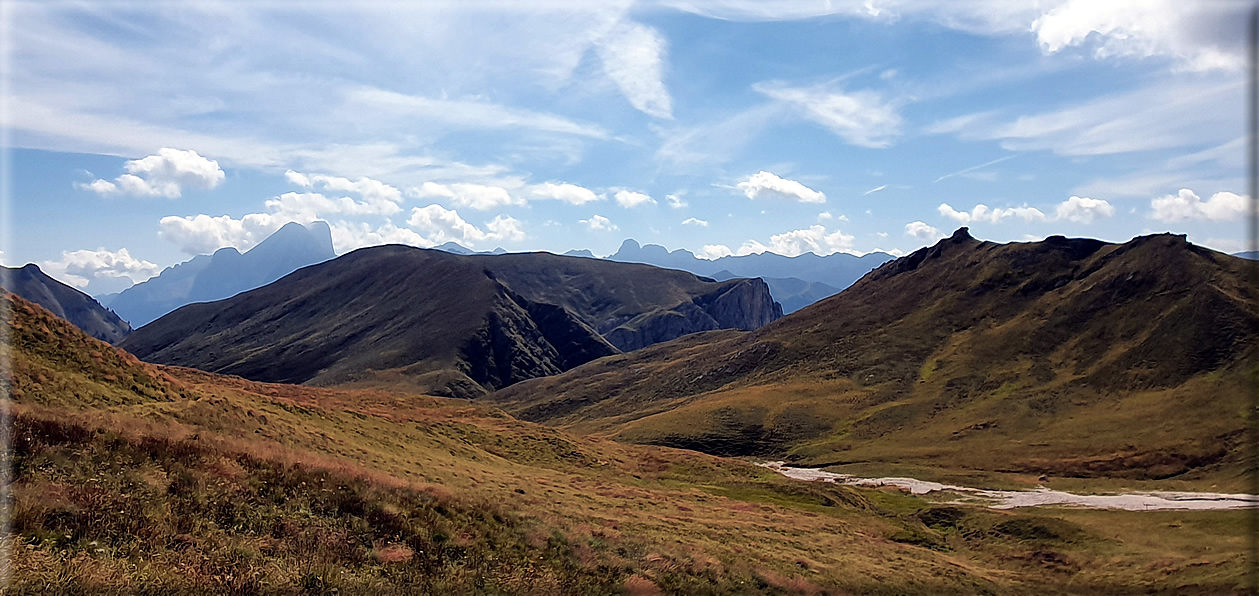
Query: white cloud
{"x":80,"y":268}
{"x":599,"y":222}
{"x":1084,"y":209}
{"x":765,"y":185}
{"x":297,"y":178}
{"x":861,"y":118}
{"x":309,"y":206}
{"x":675,"y":200}
{"x":1141,"y":29}
{"x":440,"y":225}
{"x":922,"y":231}
{"x":983,"y":213}
{"x":691,"y":221}
{"x":825,"y":216}
{"x":203,"y":234}
{"x":162,"y":175}
{"x":98,"y":186}
{"x":369,"y":189}
{"x":630,"y":199}
{"x":633,"y":57}
{"x":1187,"y":205}
{"x":351,"y":236}
{"x":472,"y":196}
{"x":814,"y":239}
{"x":569,"y":193}
{"x":879,"y":188}
{"x":712,"y":252}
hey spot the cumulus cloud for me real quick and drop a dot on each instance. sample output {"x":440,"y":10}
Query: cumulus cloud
{"x":164,"y":174}
{"x":1187,"y":205}
{"x":765,"y":185}
{"x":80,"y":268}
{"x":1084,"y":209}
{"x":712,"y":252}
{"x":1171,"y":28}
{"x":983,"y":213}
{"x":440,"y":225}
{"x":675,"y":200}
{"x":569,"y":193}
{"x":351,"y":236}
{"x":633,"y":57}
{"x":472,"y":196}
{"x":691,"y":221}
{"x":377,"y":197}
{"x":922,"y":231}
{"x":599,"y":222}
{"x":814,"y":239}
{"x":203,"y":234}
{"x":630,"y":199}
{"x":297,"y":178}
{"x":861,"y":118}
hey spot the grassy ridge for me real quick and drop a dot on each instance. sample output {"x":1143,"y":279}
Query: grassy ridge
{"x":1068,"y":357}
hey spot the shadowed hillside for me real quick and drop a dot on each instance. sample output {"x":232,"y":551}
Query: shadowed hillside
{"x":1068,"y":356}
{"x":444,"y":323}
{"x":130,"y":477}
{"x":64,"y":301}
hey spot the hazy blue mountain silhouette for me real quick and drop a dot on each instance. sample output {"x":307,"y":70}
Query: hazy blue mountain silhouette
{"x":64,"y":301}
{"x":225,"y":273}
{"x":795,"y":282}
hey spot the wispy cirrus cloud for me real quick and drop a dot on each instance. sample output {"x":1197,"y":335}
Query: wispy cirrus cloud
{"x":863,"y":118}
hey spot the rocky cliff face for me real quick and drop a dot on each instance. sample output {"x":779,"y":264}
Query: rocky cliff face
{"x":522,"y":340}
{"x":745,"y":304}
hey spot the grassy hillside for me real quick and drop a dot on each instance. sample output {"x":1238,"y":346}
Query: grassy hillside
{"x":135,"y":478}
{"x":1068,"y":357}
{"x":435,"y":322}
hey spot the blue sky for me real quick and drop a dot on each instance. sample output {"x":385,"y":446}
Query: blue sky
{"x":140,"y":134}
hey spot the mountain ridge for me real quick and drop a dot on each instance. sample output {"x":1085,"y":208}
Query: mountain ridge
{"x":445,"y":323}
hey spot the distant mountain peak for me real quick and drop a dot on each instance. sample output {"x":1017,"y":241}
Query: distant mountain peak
{"x":226,"y":272}
{"x":629,"y":245}
{"x":962,"y":233}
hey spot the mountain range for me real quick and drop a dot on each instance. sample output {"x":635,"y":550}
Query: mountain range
{"x":85,"y":312}
{"x":821,"y":276}
{"x":227,"y":272}
{"x":1067,"y":356}
{"x":446,"y":324}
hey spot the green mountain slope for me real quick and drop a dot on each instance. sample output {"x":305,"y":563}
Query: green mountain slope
{"x":1067,"y":356}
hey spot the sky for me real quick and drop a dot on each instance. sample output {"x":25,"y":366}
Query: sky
{"x":139,"y":134}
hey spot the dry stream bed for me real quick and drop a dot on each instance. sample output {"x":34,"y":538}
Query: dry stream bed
{"x":1010,"y":499}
